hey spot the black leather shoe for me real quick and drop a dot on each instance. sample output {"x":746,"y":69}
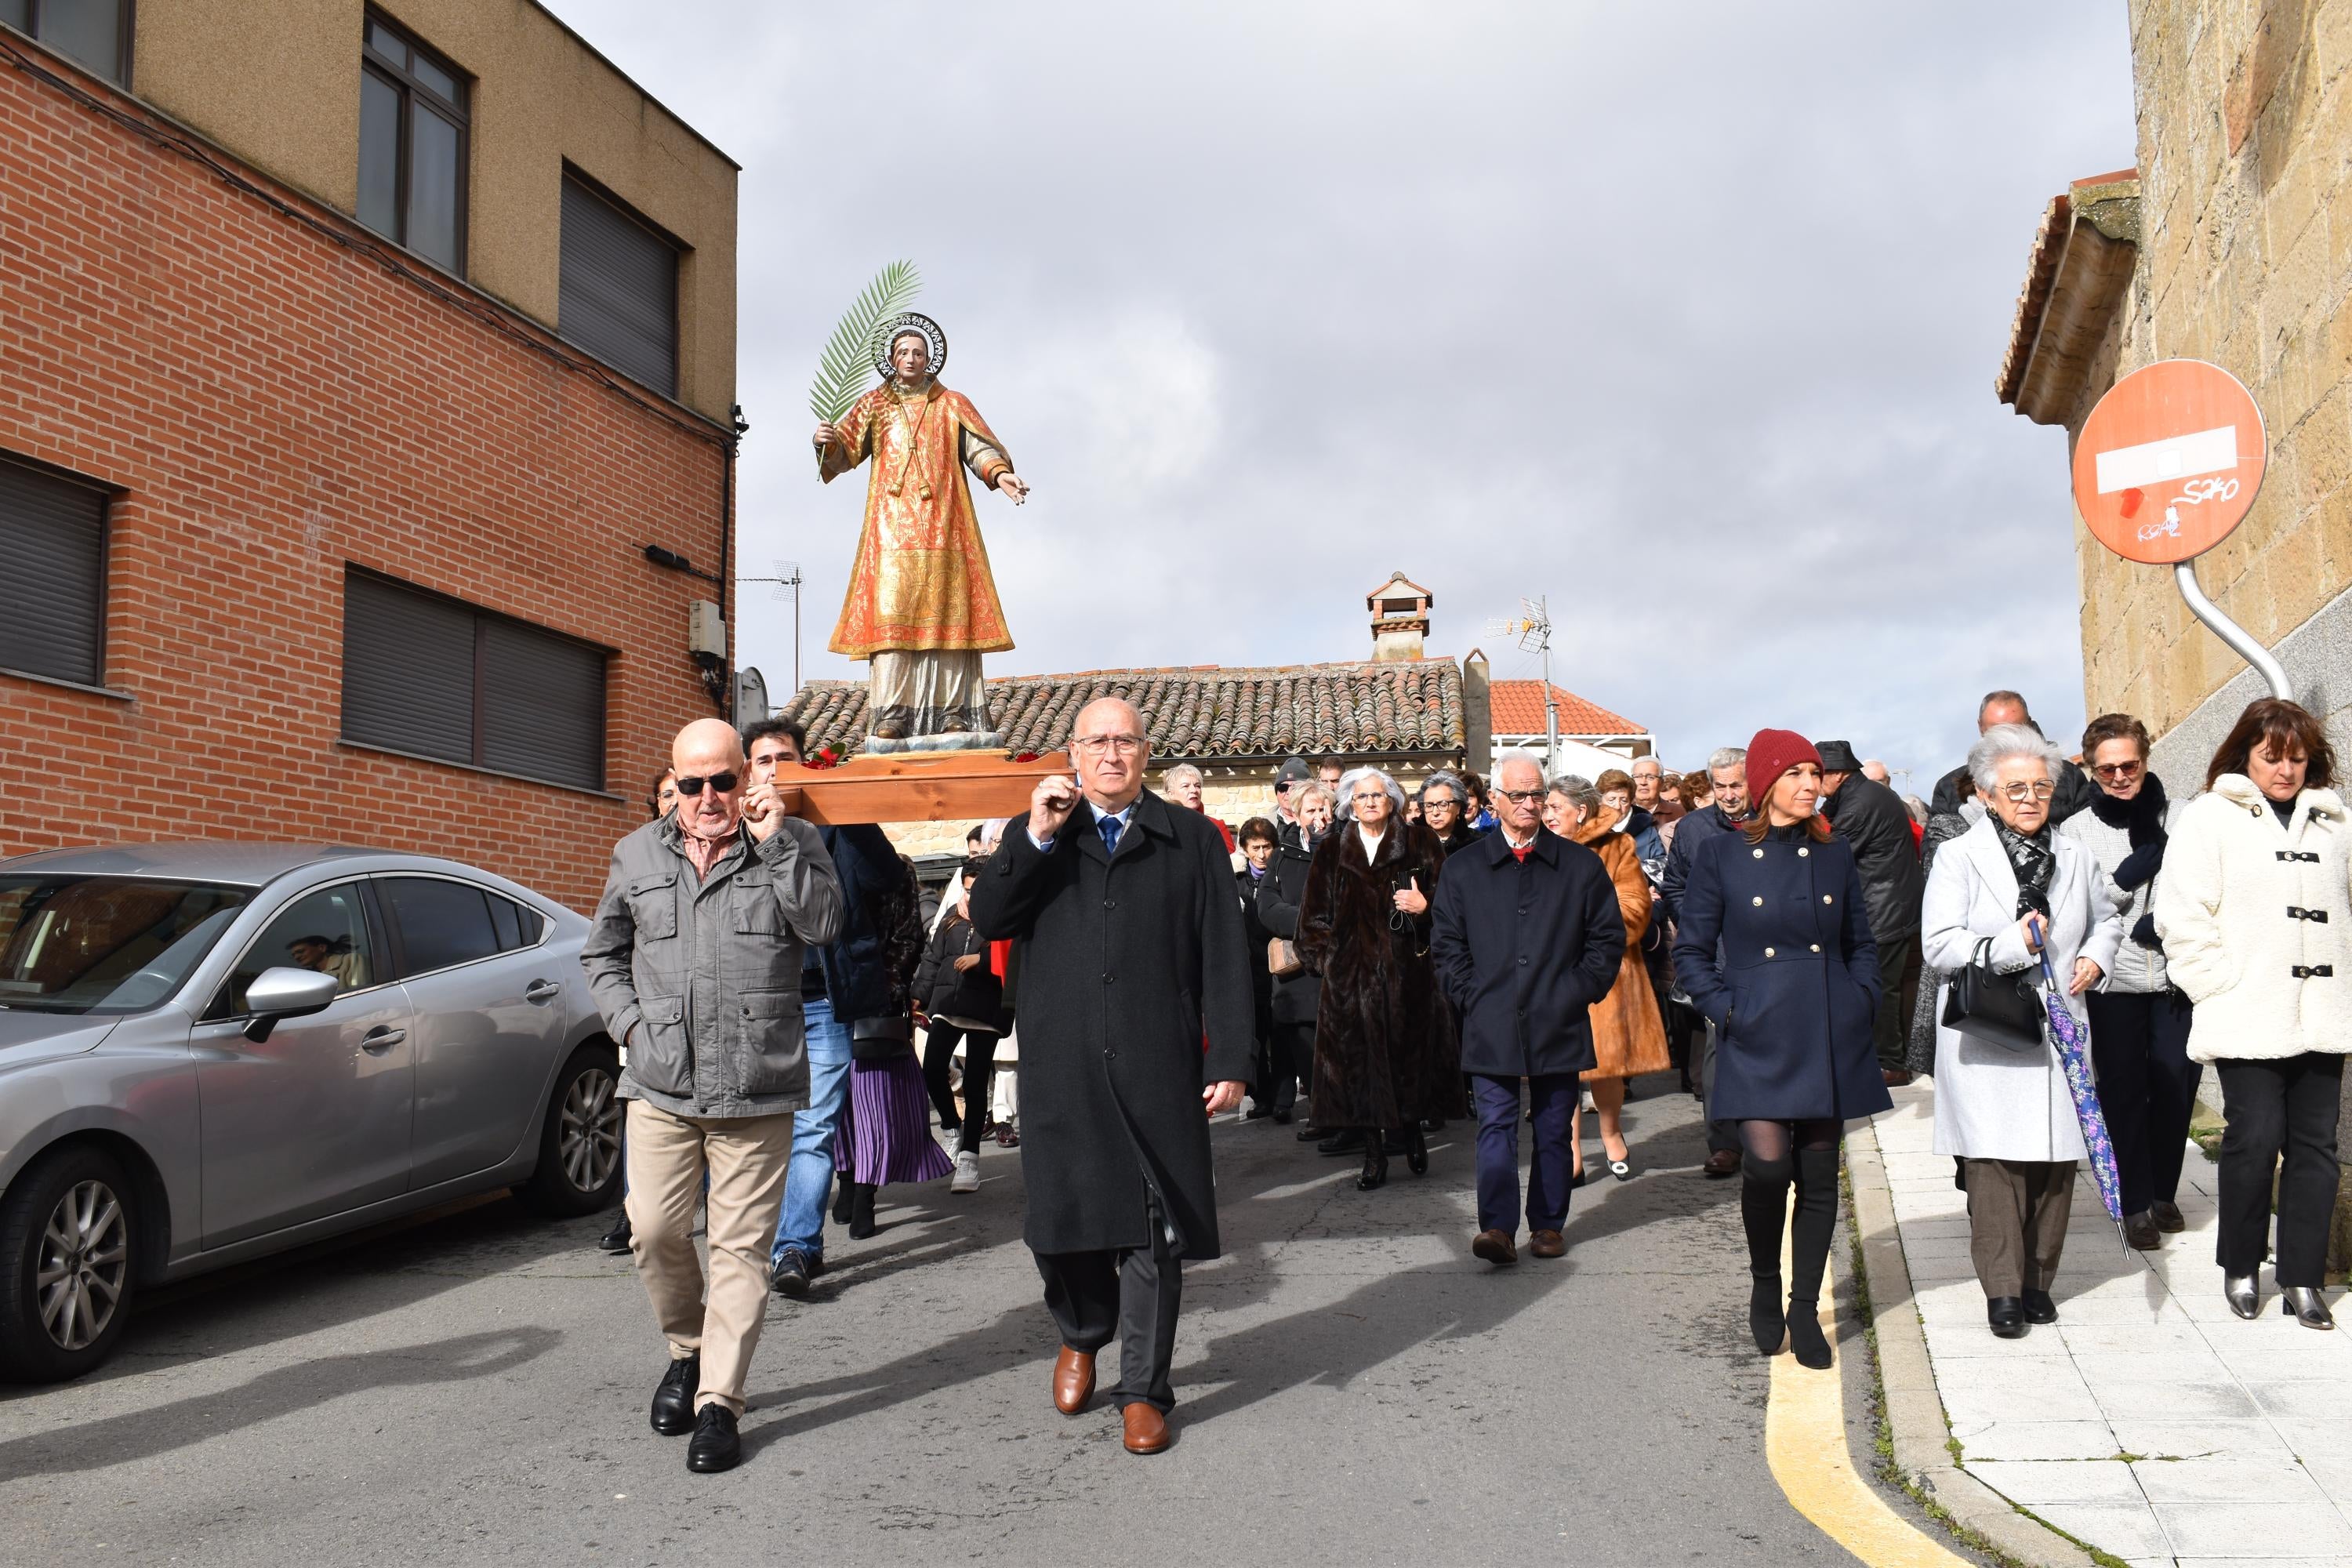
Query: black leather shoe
{"x":2006,"y":1314}
{"x":715,"y":1446}
{"x":1375,"y":1171}
{"x":1311,"y":1134}
{"x":1348,"y":1140}
{"x":1257,"y":1112}
{"x":1416,"y":1152}
{"x":617,"y":1238}
{"x":790,"y":1274}
{"x":1282,"y":1118}
{"x":673,"y":1413}
{"x":2040,"y":1308}
{"x":2305,"y":1306}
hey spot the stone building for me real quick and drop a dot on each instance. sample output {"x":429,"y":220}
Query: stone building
{"x":2230,"y":241}
{"x":366,"y":437}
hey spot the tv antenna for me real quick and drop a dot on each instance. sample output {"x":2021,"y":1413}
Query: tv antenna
{"x":788,"y":586}
{"x":1532,"y":630}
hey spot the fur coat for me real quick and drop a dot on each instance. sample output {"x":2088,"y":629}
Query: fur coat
{"x":1629,"y":1034}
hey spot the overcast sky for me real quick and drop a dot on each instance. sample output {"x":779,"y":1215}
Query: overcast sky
{"x":1686,"y":317}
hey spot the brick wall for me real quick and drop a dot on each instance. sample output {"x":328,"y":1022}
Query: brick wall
{"x":275,"y":405}
{"x":2245,"y":116}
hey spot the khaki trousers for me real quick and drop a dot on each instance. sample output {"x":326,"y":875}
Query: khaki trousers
{"x":2017,"y":1221}
{"x":746,"y":1158}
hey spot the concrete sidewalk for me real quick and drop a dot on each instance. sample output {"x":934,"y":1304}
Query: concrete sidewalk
{"x":2149,"y":1421}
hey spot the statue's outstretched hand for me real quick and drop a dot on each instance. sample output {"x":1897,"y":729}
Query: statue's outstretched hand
{"x":1013,"y":485}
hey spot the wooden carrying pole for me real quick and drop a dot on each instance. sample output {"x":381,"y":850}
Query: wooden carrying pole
{"x":936,"y":786}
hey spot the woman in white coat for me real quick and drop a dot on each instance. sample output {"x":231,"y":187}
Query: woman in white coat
{"x":2006,"y":1114}
{"x":2257,"y":930}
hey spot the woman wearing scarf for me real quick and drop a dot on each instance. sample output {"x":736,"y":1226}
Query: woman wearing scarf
{"x":2139,"y":1021}
{"x":2013,"y":882}
{"x":1772,"y":942}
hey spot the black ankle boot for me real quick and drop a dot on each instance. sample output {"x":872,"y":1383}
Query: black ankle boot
{"x":843,"y":1187}
{"x":861,"y":1211}
{"x":1416,"y":1149}
{"x":1376,"y":1164}
{"x":1806,"y":1341}
{"x":1765,"y":1318}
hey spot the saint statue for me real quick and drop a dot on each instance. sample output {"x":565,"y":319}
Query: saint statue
{"x":922,"y":604}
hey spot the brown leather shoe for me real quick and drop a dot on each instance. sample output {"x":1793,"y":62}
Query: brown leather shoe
{"x":1495,"y":1246}
{"x":2168,"y":1216}
{"x":1074,"y":1381}
{"x":1895,"y":1077}
{"x":1146,"y":1428}
{"x":1547,"y":1244}
{"x":2140,"y":1231}
{"x":1722,"y":1162}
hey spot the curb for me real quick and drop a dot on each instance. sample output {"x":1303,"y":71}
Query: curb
{"x":1914,"y":1411}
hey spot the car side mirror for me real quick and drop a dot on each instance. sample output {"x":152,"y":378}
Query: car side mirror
{"x":286,"y":993}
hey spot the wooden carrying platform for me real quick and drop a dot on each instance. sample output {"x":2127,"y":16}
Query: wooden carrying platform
{"x":920,"y":787}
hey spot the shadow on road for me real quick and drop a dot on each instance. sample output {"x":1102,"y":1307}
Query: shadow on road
{"x":159,"y":1430}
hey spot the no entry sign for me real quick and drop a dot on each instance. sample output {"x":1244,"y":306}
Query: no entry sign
{"x":2168,"y":462}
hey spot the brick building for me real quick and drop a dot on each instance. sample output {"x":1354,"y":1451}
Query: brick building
{"x":2230,"y":241}
{"x":355,"y":356}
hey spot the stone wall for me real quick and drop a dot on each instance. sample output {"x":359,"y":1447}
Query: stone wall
{"x":2245,"y":116}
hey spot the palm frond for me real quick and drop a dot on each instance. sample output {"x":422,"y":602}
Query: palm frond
{"x":847,"y":367}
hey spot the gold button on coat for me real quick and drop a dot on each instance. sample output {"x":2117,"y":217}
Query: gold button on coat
{"x":1767,"y":952}
{"x":1757,"y":853}
{"x":1827,"y":899}
{"x":1817,"y":947}
{"x":1758,"y":902}
{"x":1802,"y":853}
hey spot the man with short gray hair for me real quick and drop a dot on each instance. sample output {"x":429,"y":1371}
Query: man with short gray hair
{"x":1727,"y":769}
{"x":694,"y":960}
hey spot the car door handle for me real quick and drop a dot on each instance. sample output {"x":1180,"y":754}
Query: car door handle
{"x":383,"y":1038}
{"x":541,"y":992}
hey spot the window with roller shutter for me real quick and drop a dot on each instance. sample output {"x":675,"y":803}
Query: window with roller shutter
{"x":429,"y":675}
{"x":52,"y":575}
{"x":617,"y":287}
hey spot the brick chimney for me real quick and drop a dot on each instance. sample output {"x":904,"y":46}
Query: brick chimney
{"x":1400,"y":616}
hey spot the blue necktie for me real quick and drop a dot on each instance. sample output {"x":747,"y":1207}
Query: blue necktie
{"x":1108,"y":828}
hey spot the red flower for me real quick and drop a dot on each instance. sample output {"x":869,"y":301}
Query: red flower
{"x":1025,"y":756}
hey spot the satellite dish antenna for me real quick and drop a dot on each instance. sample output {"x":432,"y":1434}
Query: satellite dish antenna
{"x":751,"y":697}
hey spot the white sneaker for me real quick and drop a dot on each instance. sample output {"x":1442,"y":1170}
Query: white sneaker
{"x":966,"y":1174}
{"x":955,"y":1143}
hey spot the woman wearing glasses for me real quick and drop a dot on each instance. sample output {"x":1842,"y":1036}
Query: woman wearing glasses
{"x":2014,"y":890}
{"x":2139,"y":1021}
{"x":2254,"y":912}
{"x":1386,"y":1058}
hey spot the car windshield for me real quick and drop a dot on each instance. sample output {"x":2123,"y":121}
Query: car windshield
{"x":105,"y":944}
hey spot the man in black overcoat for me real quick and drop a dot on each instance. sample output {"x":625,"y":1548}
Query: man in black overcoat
{"x":1871,"y":817}
{"x":1525,"y":936}
{"x":1135,"y":1029}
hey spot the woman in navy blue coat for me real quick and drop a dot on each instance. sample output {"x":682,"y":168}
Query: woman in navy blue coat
{"x":1773,"y":946}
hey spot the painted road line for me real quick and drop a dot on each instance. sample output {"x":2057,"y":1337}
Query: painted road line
{"x":1804,"y":1442}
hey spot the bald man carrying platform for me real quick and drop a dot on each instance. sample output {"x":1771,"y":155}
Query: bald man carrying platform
{"x":1133,"y":955}
{"x":694,"y":963}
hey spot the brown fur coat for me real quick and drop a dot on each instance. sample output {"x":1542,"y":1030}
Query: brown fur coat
{"x":1629,"y":1036}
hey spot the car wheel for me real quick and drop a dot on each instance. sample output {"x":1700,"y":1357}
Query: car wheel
{"x":67,"y":1239}
{"x":579,"y":1147}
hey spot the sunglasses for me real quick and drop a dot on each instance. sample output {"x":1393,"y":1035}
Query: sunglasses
{"x":723,"y":782}
{"x":2118,"y":770}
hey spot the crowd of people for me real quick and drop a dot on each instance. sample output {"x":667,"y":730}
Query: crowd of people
{"x":1778,"y":926}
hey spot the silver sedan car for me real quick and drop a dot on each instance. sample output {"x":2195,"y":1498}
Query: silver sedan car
{"x":211,"y":1051}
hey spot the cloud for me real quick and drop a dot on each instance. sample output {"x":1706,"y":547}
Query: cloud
{"x":1685,"y":318}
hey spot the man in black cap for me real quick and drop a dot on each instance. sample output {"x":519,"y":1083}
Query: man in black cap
{"x":1871,"y":817}
{"x":1293,"y":773}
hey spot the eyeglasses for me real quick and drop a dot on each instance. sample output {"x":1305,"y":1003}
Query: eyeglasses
{"x":1519,"y":796}
{"x":723,"y":782}
{"x":2021,"y":792}
{"x":1363,"y":797}
{"x":1441,"y":803}
{"x":1096,"y":745}
{"x":2118,"y":770}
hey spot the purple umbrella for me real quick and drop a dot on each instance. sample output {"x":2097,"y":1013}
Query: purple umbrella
{"x":2075,"y":1056}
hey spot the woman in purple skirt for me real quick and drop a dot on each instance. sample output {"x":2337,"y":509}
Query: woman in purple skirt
{"x":885,"y":1129}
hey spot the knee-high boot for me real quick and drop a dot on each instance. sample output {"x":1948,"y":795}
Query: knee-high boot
{"x":1764,"y":1213}
{"x":1809,"y":1247}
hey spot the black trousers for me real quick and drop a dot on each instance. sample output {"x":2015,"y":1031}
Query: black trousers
{"x":1721,"y":1136}
{"x":1898,"y":997}
{"x":979,"y":1073}
{"x":1289,"y":1056}
{"x":1132,"y":1293}
{"x":2284,"y":1107}
{"x":2147,"y":1086}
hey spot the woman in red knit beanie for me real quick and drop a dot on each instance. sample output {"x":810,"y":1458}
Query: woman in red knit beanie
{"x":1773,"y":945}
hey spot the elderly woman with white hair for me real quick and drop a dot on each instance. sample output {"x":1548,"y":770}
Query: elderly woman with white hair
{"x":1386,"y":1057}
{"x":2002,"y":896}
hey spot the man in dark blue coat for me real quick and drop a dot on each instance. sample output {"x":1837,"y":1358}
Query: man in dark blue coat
{"x":1525,"y":936}
{"x":1135,"y":1029}
{"x":1728,"y":770}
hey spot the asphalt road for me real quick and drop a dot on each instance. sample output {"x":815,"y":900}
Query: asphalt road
{"x":1355,"y":1389}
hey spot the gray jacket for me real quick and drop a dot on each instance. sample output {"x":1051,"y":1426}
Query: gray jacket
{"x":700,"y":980}
{"x":2137,"y":969}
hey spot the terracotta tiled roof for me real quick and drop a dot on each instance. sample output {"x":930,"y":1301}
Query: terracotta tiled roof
{"x":1395,"y":709}
{"x":1519,"y":710}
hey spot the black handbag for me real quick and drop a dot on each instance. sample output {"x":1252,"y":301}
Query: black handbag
{"x":2003,"y":1010}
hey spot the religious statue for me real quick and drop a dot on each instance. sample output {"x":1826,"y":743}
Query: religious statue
{"x":922,"y":604}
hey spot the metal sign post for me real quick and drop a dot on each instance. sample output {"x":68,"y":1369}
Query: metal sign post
{"x":2167,"y":464}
